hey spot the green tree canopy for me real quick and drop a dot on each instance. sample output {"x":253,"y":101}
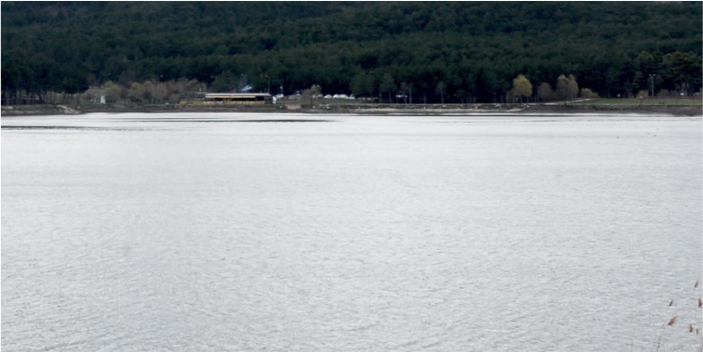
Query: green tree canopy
{"x":475,"y":48}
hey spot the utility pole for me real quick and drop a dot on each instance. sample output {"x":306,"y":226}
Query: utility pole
{"x":268,"y":79}
{"x":651,"y":77}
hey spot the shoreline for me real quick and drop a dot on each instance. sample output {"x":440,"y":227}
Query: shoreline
{"x":361,"y":109}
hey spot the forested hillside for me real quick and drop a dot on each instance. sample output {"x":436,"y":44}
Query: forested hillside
{"x":457,"y":50}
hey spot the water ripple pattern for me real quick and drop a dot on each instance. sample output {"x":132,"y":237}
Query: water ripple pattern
{"x":145,"y":232}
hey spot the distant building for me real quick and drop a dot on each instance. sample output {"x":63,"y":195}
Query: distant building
{"x":232,"y":99}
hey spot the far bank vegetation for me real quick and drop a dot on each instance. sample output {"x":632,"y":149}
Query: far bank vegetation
{"x":391,"y":52}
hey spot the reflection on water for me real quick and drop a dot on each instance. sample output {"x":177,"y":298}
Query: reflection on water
{"x":445,"y":233}
{"x":84,"y":128}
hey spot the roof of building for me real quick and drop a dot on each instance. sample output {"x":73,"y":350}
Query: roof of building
{"x":235,"y":95}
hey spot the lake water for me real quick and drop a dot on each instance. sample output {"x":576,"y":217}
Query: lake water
{"x":253,"y":232}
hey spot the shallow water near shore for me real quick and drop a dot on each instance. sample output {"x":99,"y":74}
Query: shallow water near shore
{"x":255,"y":232}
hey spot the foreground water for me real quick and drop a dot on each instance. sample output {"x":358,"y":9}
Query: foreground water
{"x":344,"y":233}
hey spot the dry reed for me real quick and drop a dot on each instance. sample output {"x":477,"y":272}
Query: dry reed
{"x":694,"y":326}
{"x":672,"y":321}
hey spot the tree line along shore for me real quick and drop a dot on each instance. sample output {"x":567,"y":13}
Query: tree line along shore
{"x":439,"y":52}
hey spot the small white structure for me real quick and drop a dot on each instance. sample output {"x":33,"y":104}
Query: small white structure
{"x":102,"y":99}
{"x":341,"y":96}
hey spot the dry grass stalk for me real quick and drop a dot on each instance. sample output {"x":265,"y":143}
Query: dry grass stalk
{"x":671,"y":303}
{"x":690,"y":327}
{"x":696,"y":283}
{"x":700,"y":303}
{"x":672,"y":321}
{"x":697,"y":331}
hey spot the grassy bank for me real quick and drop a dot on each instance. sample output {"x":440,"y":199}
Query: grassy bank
{"x":620,"y":106}
{"x":646,"y":101}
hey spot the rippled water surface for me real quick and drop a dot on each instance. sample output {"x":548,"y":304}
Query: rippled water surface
{"x":144,"y":232}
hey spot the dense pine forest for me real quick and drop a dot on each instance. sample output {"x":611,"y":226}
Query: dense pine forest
{"x":434,"y":51}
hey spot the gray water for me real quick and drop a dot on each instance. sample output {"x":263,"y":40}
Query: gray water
{"x":243,"y":232}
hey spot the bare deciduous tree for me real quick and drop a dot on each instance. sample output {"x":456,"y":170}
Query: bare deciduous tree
{"x":545,"y":92}
{"x":522,"y":87}
{"x":441,"y":88}
{"x":567,"y":88}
